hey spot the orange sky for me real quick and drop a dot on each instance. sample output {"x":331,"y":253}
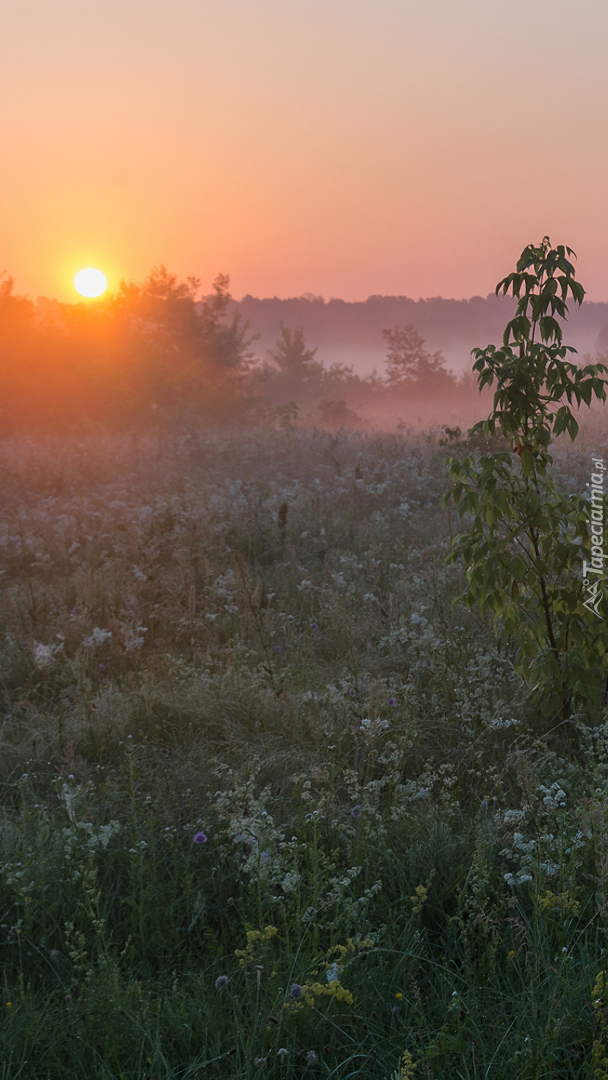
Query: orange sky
{"x":340,"y":147}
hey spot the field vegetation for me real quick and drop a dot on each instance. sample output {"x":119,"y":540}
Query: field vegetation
{"x":270,"y":800}
{"x":304,"y":744}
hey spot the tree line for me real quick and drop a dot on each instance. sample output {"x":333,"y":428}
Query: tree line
{"x":160,"y":353}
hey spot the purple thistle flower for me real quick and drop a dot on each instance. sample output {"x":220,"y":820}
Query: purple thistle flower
{"x":356,"y":810}
{"x":221,"y":982}
{"x":296,"y":991}
{"x":392,"y":701}
{"x":314,"y":626}
{"x":199,"y":838}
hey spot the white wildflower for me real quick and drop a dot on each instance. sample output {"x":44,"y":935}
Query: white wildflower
{"x":498,"y":724}
{"x":134,"y":639}
{"x":97,"y":638}
{"x":290,"y":882}
{"x":44,"y":655}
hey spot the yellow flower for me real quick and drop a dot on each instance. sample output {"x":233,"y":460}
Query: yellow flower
{"x":9,"y":1004}
{"x":406,"y":1070}
{"x":511,"y":953}
{"x":399,"y":997}
{"x":598,"y":990}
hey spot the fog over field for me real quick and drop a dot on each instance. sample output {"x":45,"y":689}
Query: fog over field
{"x":351,"y":332}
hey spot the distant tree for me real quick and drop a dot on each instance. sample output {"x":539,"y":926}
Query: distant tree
{"x":296,"y":379}
{"x":166,"y":312}
{"x":409,"y":364}
{"x":224,"y":334}
{"x":293,"y":358}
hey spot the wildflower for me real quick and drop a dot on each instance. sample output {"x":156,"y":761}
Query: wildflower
{"x":356,"y":811}
{"x":395,"y":1008}
{"x":97,"y":638}
{"x":296,"y":991}
{"x":45,"y":654}
{"x":406,"y":1069}
{"x":259,"y":1062}
{"x":290,"y":881}
{"x":313,"y":627}
{"x":9,"y":1004}
{"x":399,"y":996}
{"x":333,"y":974}
{"x":283,"y":1053}
{"x":221,"y":982}
{"x":311,"y":1058}
{"x":264,"y":856}
{"x":392,"y":701}
{"x":511,"y":953}
{"x":199,"y":838}
{"x":484,"y":805}
{"x":351,"y":693}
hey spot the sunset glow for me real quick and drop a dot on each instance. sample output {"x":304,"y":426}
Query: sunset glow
{"x":342,"y":149}
{"x":90,"y":283}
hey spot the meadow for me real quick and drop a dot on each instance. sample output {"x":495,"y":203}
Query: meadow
{"x":272,"y":804}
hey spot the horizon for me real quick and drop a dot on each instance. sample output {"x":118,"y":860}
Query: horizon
{"x":308,"y":297}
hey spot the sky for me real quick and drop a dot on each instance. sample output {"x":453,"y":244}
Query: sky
{"x":337,"y":147}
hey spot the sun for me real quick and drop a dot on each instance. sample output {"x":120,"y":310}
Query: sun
{"x":90,"y":282}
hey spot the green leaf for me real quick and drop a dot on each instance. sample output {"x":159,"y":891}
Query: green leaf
{"x":527,"y":462}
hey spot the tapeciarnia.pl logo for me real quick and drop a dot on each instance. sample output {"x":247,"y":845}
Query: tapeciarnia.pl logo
{"x":593,"y":572}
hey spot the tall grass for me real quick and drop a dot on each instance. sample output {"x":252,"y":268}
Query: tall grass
{"x":271,"y":803}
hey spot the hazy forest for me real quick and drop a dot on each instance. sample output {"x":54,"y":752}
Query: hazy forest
{"x":160,"y":356}
{"x":304,"y":740}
